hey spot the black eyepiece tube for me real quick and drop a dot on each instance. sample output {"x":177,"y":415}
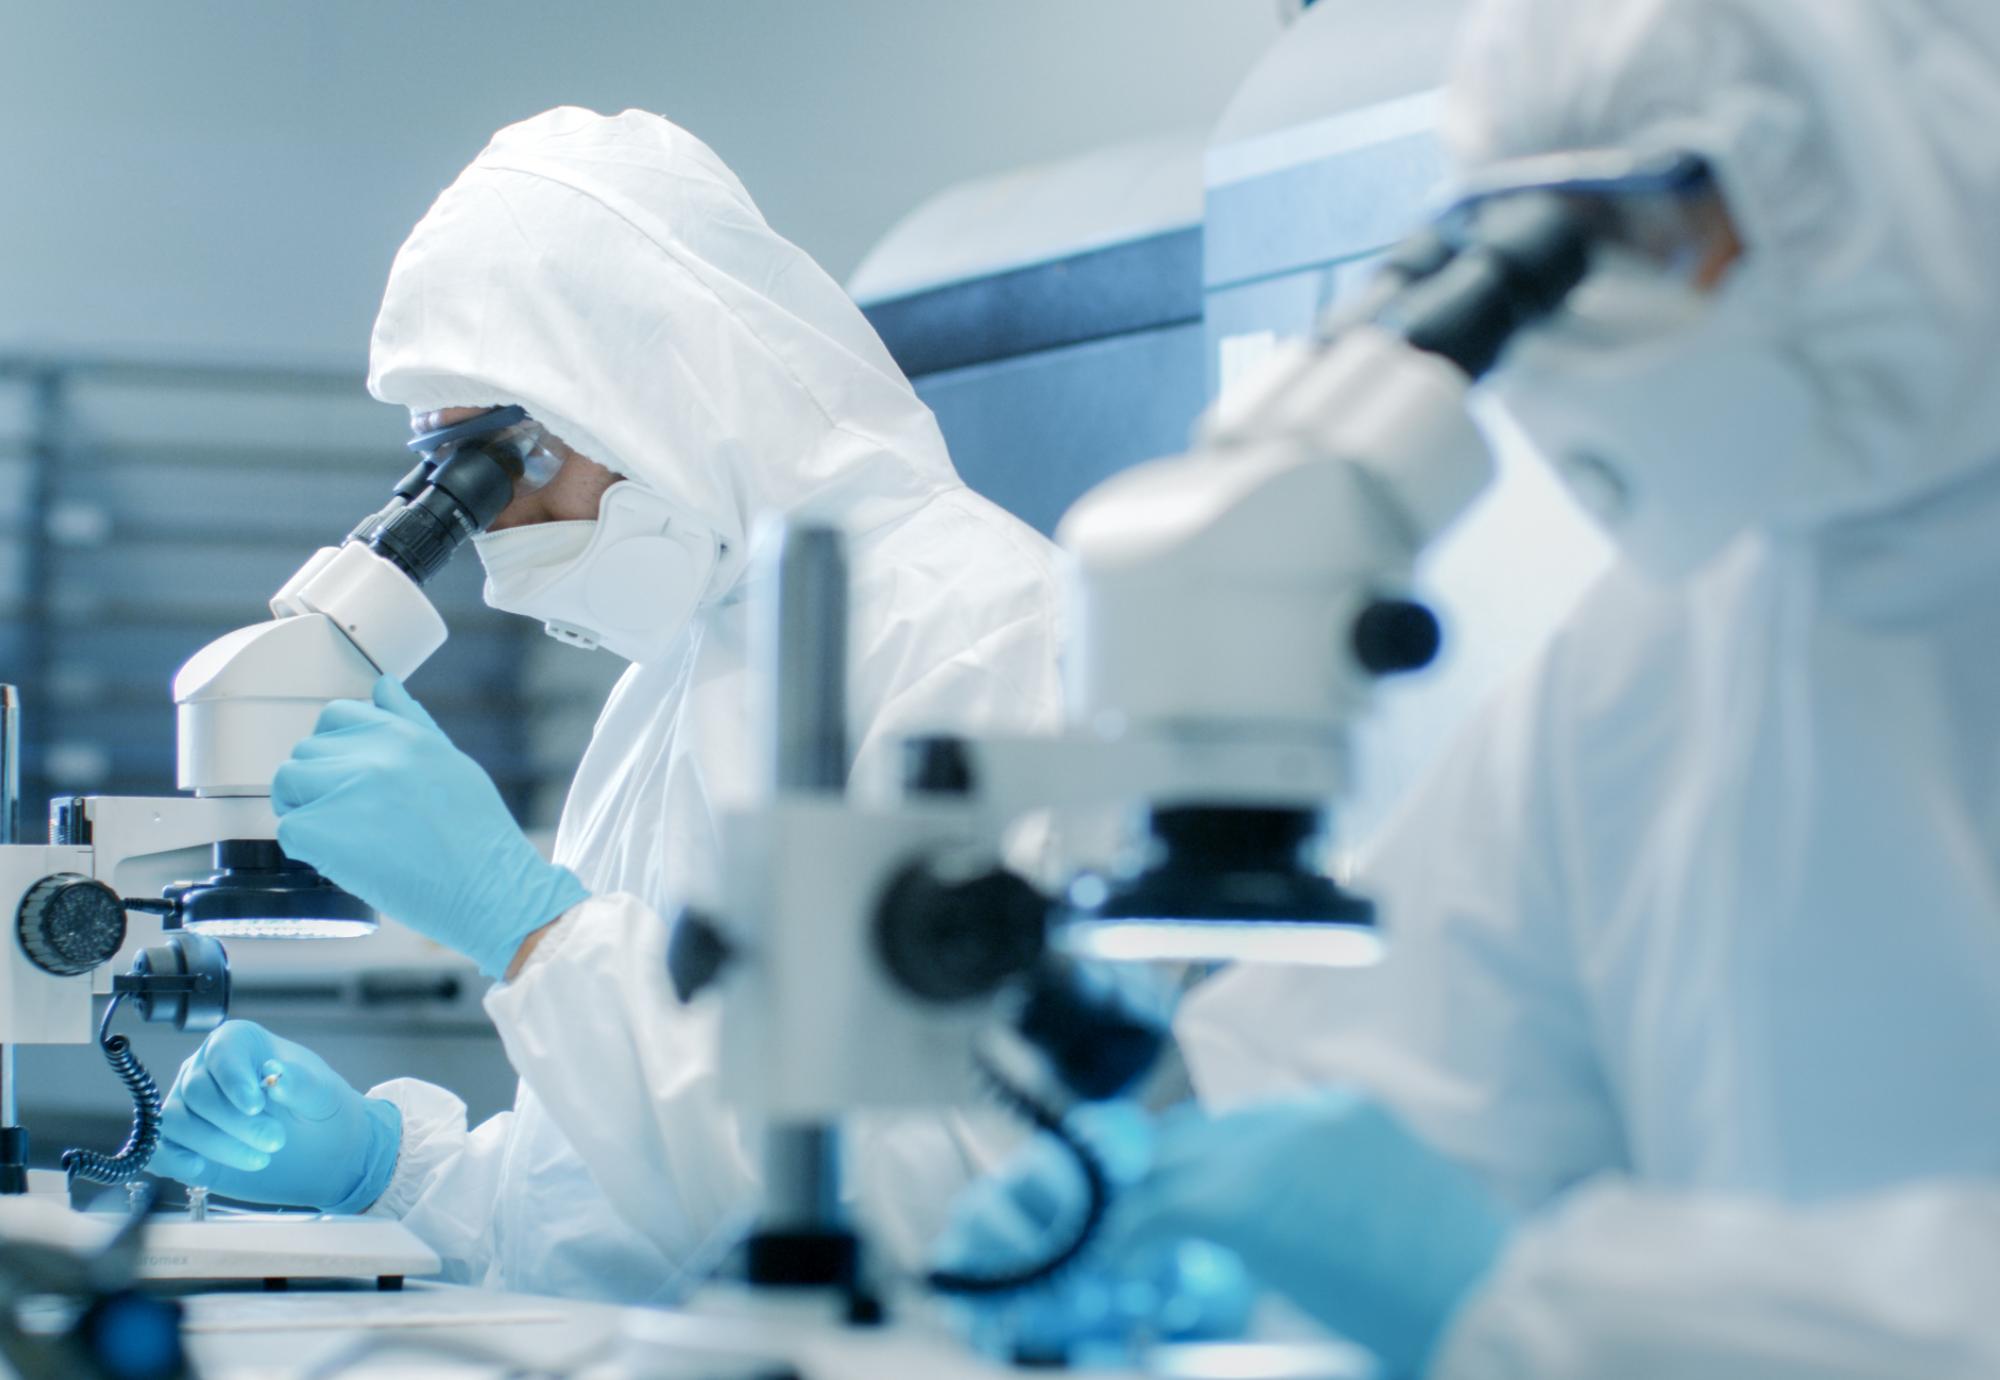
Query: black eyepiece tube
{"x":1522,"y":258}
{"x":1416,"y":258}
{"x":464,"y":481}
{"x":466,"y":494}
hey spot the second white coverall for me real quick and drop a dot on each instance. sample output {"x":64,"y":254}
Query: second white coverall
{"x":1696,"y":939}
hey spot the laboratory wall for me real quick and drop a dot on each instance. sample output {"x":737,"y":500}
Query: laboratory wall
{"x":220,"y":178}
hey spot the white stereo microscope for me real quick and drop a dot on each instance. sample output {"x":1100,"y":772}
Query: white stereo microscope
{"x":352,"y":613}
{"x":1231,"y":611}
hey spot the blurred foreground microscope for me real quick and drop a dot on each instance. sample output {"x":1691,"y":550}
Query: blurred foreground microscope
{"x":1232,"y":611}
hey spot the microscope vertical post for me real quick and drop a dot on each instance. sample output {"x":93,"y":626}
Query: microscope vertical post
{"x":10,"y":764}
{"x":13,"y":1148}
{"x":807,"y":654}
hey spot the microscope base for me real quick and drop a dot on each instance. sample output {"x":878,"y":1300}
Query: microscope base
{"x":278,"y":1247}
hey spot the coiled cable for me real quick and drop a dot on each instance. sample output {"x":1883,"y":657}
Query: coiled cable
{"x":137,"y":1152}
{"x":1097,"y":1202}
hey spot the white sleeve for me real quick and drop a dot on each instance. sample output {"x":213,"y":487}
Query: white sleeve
{"x":1648,"y":1286}
{"x":447,"y":1178}
{"x":628,"y":1073}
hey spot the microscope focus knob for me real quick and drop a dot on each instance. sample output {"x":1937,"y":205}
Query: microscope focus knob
{"x":953,"y":930}
{"x":70,"y":924}
{"x":1396,"y":636}
{"x":697,"y":952}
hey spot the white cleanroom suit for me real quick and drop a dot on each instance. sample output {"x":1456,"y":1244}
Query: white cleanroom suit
{"x":1699,"y":930}
{"x":611,"y":276}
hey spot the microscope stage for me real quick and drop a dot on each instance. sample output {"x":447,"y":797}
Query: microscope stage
{"x":280,"y":1246}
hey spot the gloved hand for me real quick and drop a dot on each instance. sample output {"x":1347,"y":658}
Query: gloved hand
{"x":1330,"y":1201}
{"x":380,"y":801}
{"x":306,"y":1139}
{"x":1184,"y":1291}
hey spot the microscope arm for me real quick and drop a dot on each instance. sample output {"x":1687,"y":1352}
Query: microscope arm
{"x":247,"y":698}
{"x":1236,"y":605}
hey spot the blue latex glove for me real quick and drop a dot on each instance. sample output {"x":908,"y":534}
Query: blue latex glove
{"x":1327,"y":1200}
{"x":1330,"y":1201}
{"x":379,"y":800}
{"x":305,"y":1140}
{"x":1181,"y":1291}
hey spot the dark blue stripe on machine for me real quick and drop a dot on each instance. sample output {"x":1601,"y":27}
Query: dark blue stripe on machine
{"x":1123,"y":288}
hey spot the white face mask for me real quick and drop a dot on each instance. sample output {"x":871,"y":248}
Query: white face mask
{"x":1676,"y":417}
{"x":629,"y":582}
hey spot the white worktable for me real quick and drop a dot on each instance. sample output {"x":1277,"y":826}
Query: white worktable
{"x":444,"y":1330}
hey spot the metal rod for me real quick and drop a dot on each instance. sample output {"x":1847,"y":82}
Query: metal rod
{"x":802,"y":1178}
{"x":10,"y":764}
{"x":48,"y":429}
{"x":804,"y":658}
{"x":10,"y":832}
{"x":807,"y":632}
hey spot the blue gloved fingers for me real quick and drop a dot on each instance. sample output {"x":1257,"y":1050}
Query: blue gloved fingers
{"x":390,"y":695}
{"x":990,"y":1231}
{"x":1048,"y":1200}
{"x":172,"y":1160}
{"x":312,"y":833}
{"x":339,"y":716}
{"x":231,"y":1057}
{"x":193,"y":1132}
{"x":306,"y":1087}
{"x":1144,"y":1221}
{"x":334,"y":1149}
{"x":1038,"y":1200}
{"x":1190,"y":1193}
{"x":288,"y":792}
{"x":1206,"y":1293}
{"x":303,"y":781}
{"x":337,"y":743}
{"x":384,"y":805}
{"x":1147,"y":1159}
{"x":1122,"y":1135}
{"x":204,"y":1104}
{"x":1331,"y":1201}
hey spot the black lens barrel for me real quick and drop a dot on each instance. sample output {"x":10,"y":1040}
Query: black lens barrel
{"x":1521,"y":259}
{"x":465,"y":492}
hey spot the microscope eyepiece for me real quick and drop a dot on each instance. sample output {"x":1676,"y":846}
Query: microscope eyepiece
{"x":1520,"y":260}
{"x":468,"y":474}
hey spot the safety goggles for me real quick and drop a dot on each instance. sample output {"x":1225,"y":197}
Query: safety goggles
{"x":1665,"y":208}
{"x":508,"y":434}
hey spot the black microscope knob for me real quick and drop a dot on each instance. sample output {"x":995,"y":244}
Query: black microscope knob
{"x":697,"y":952}
{"x":950,"y":936}
{"x":1396,"y":636}
{"x":70,"y":924}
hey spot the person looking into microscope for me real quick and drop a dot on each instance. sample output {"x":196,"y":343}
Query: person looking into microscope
{"x":687,"y":370}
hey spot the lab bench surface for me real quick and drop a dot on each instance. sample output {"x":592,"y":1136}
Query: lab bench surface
{"x":451,"y":1331}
